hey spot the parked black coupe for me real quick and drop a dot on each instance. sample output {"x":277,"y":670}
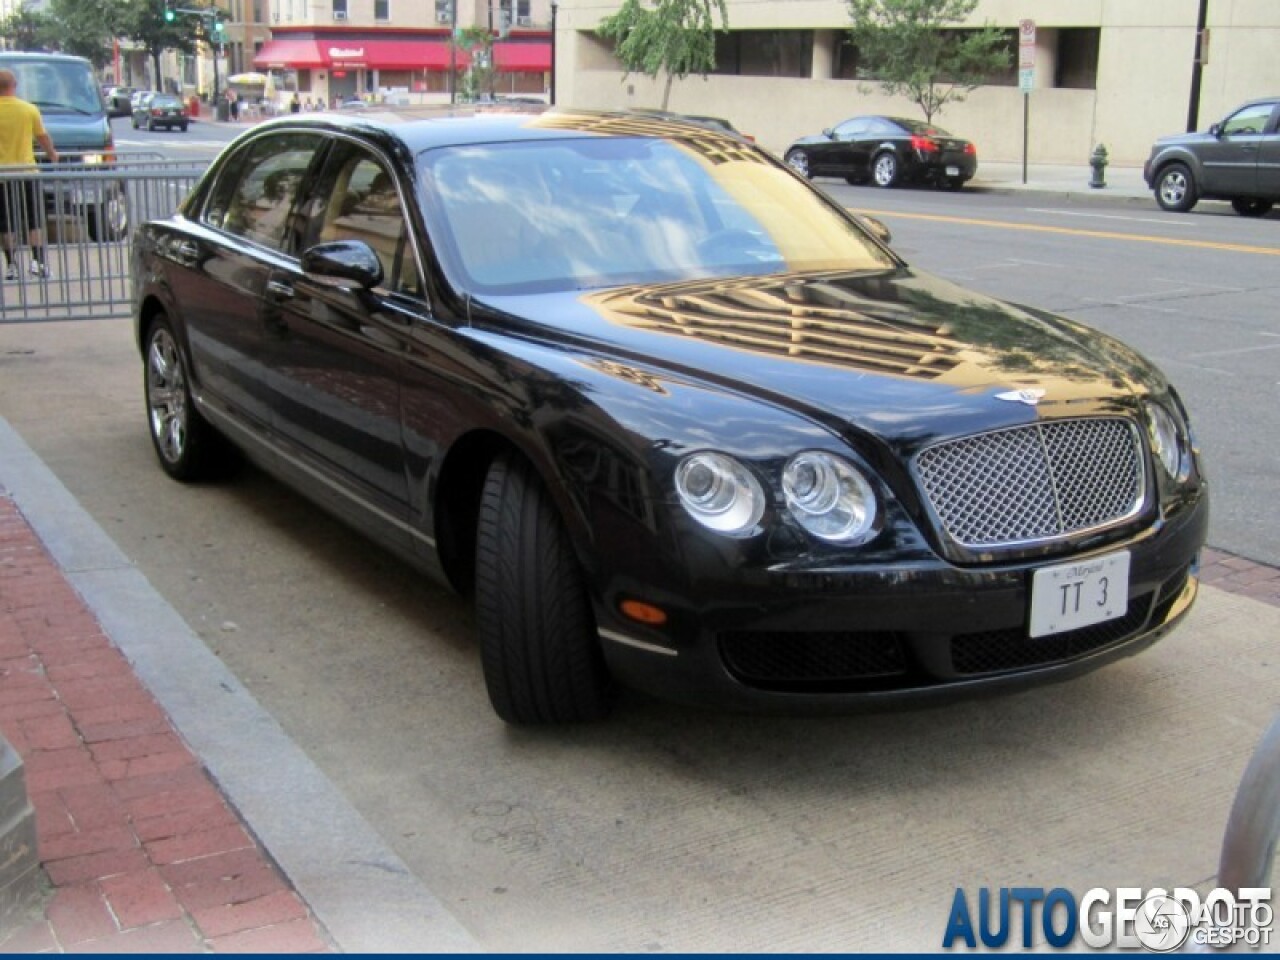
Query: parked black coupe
{"x":669,"y":414}
{"x":887,"y":151}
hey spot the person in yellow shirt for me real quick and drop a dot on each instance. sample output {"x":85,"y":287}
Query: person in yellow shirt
{"x":20,"y":200}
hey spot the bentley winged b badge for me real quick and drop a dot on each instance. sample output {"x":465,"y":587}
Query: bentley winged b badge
{"x":1030,"y":396}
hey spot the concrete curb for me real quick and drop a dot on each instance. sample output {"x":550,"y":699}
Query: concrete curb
{"x":363,"y":894}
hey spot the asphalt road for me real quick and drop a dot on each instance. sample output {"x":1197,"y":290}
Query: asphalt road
{"x":667,"y":828}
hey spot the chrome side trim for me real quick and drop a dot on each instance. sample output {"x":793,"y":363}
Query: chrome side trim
{"x":230,"y":425}
{"x":626,"y":641}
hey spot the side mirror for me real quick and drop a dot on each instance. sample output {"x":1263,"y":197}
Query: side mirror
{"x":342,"y":263}
{"x":829,"y":134}
{"x":1215,"y":129}
{"x":876,"y":228}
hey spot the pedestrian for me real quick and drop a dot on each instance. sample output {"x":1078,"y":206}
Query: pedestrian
{"x":295,"y":104}
{"x":21,"y":203}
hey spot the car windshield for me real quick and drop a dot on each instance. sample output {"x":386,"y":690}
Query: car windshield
{"x":165,"y":100}
{"x":587,"y":213}
{"x":57,"y":86}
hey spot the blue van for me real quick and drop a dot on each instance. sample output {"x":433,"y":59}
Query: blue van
{"x":70,"y":102}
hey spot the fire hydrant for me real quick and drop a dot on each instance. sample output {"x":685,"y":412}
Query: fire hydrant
{"x":1098,"y":162}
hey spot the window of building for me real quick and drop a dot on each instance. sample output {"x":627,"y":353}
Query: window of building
{"x":1077,"y":66}
{"x":382,"y":10}
{"x":849,"y":66}
{"x":339,"y":9}
{"x":764,"y":53}
{"x":524,"y":16}
{"x":444,"y":11}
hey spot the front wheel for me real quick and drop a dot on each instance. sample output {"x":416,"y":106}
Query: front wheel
{"x":108,"y":220}
{"x":798,"y":161}
{"x":538,"y":641}
{"x":1176,"y":189}
{"x":1251,"y":206}
{"x":187,"y":446}
{"x":886,"y":170}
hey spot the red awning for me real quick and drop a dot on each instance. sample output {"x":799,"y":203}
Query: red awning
{"x":299,"y":54}
{"x":522,"y":57}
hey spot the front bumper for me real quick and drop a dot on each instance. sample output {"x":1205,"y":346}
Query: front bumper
{"x":843,"y":639}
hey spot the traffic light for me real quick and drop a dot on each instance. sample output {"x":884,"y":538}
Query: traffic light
{"x":219,"y":29}
{"x":169,"y":15}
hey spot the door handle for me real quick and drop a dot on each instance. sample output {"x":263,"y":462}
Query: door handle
{"x":282,"y":291}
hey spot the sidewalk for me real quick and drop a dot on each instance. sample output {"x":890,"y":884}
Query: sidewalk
{"x":141,"y":849}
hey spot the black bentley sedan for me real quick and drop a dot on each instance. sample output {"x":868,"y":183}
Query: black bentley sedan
{"x":886,"y":151}
{"x":666,"y":412}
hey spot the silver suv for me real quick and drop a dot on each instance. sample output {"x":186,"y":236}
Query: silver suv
{"x":1237,"y":160}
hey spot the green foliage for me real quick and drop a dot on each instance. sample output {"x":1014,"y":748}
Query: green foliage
{"x":675,"y":37}
{"x":86,"y":28}
{"x":28,"y":30}
{"x":143,"y":21}
{"x":480,"y":76}
{"x":906,"y":46}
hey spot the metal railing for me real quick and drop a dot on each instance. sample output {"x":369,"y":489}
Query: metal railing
{"x":87,"y":213}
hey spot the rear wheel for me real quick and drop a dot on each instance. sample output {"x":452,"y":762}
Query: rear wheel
{"x":108,"y":220}
{"x":1176,"y":189}
{"x":798,"y":161}
{"x":189,"y":449}
{"x":1251,"y":206}
{"x":886,"y":170}
{"x":538,"y":640}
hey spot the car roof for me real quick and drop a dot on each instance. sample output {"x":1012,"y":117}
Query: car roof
{"x":422,"y":128}
{"x":37,"y":55}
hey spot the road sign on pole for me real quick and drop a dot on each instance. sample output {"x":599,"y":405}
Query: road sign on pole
{"x":1026,"y":78}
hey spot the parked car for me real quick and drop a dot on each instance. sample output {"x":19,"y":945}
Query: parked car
{"x":119,"y":101}
{"x":1237,"y":160}
{"x":166,"y":110}
{"x":668,"y":414}
{"x":888,"y":151}
{"x":75,"y":116}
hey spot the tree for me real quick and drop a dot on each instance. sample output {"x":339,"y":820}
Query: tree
{"x":477,"y":43}
{"x":27,"y":30}
{"x":88,"y":27}
{"x":675,"y":37}
{"x":143,"y":22}
{"x":908,"y":47}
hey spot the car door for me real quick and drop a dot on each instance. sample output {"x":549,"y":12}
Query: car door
{"x":1230,"y":160}
{"x":1269,"y":158}
{"x":338,"y":350}
{"x":227,"y":254}
{"x":840,"y":155}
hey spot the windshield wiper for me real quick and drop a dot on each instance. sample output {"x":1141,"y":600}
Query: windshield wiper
{"x":44,"y":104}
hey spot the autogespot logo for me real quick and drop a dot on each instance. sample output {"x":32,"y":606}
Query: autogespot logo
{"x":1127,"y":918}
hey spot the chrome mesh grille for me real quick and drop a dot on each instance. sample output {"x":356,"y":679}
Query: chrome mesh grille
{"x":1036,"y":482}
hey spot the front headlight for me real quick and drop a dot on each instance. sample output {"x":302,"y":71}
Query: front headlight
{"x":828,"y":496}
{"x":1166,"y":440}
{"x":720,"y":493}
{"x":91,"y":158}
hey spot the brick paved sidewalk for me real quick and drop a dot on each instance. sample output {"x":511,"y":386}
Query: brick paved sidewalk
{"x":141,"y":848}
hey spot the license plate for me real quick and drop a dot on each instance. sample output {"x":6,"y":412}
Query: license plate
{"x":953,"y":171}
{"x":1079,"y":594}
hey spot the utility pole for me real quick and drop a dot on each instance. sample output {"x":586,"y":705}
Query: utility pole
{"x":1197,"y":66}
{"x":453,"y":51}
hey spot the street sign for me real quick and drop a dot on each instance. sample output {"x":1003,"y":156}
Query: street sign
{"x":1027,"y":79}
{"x":1026,"y":52}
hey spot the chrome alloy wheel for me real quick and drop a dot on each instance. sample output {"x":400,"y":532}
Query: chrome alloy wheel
{"x":1173,"y":187}
{"x":885,"y":171}
{"x":167,"y":396}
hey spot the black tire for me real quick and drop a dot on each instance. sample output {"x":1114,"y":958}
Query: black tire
{"x":538,"y":642}
{"x":134,"y":122}
{"x":108,"y":221}
{"x":187,"y":447}
{"x":1176,"y":189}
{"x":886,"y":169}
{"x":151,"y":125}
{"x":183,"y":128}
{"x":798,"y":161}
{"x":1252,"y":206}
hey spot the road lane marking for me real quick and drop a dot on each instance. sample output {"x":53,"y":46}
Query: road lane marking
{"x":1112,"y":216}
{"x":1072,"y":231}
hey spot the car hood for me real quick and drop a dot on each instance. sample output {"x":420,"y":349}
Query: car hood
{"x":897,"y":353}
{"x":71,"y":131}
{"x":1184,"y":139}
